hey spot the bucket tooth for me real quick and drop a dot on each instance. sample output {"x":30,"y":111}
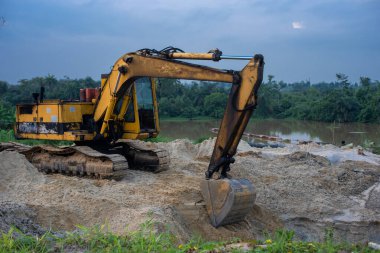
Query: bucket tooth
{"x":228,"y":200}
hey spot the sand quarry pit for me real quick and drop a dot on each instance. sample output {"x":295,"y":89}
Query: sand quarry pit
{"x":306,"y":188}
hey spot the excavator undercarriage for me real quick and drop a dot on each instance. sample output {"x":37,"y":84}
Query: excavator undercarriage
{"x":97,"y":161}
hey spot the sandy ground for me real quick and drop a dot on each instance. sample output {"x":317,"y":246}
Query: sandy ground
{"x":307,"y":188}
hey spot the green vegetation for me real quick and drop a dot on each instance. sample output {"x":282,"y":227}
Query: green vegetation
{"x":376,"y":150}
{"x":339,"y":101}
{"x":200,"y":140}
{"x":159,"y":139}
{"x":8,"y":135}
{"x":7,"y":115}
{"x":100,"y":239}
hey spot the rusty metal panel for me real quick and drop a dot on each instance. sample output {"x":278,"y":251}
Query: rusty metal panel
{"x":47,"y":128}
{"x":27,"y":127}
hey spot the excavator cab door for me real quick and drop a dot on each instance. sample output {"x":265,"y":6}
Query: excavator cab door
{"x":145,"y":104}
{"x":140,"y":117}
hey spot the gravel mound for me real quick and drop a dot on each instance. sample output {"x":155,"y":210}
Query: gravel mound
{"x":20,"y":217}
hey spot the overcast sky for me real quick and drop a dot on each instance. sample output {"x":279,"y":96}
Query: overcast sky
{"x":300,"y":39}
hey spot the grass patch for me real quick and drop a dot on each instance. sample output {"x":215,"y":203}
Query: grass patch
{"x":376,"y":150}
{"x":283,"y":241}
{"x":201,"y":139}
{"x":100,"y":239}
{"x":370,"y":146}
{"x":159,"y":139}
{"x":8,"y":135}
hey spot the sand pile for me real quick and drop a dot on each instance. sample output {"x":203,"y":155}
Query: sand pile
{"x":297,"y":188}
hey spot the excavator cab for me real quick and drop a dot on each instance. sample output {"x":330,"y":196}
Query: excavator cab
{"x":137,"y":110}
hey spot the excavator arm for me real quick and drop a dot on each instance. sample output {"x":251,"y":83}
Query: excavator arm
{"x":227,"y":200}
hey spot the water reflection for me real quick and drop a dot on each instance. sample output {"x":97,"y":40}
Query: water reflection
{"x":356,"y":133}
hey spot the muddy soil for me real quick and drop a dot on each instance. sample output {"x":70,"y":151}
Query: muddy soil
{"x":306,"y":188}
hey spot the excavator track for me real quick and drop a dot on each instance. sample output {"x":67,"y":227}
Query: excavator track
{"x":95,"y":162}
{"x":77,"y":161}
{"x":145,"y":156}
{"x":13,"y":146}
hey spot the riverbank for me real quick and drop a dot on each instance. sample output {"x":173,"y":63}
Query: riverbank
{"x":365,"y":135}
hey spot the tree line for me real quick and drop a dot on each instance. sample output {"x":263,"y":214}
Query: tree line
{"x":339,"y":101}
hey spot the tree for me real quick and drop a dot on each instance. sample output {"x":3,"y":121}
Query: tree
{"x":269,"y":100}
{"x":365,"y":81}
{"x":215,"y":104}
{"x":3,"y":87}
{"x":7,"y":117}
{"x":342,"y":80}
{"x":189,"y":112}
{"x":270,"y":78}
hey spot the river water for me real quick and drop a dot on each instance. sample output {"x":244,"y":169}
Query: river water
{"x":294,"y":130}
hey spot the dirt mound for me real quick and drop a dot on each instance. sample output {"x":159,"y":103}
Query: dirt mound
{"x":296,"y":189}
{"x":12,"y":164}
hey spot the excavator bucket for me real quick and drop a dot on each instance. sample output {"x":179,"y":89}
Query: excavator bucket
{"x":228,"y":200}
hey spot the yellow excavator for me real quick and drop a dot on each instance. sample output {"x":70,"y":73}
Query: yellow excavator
{"x":107,"y":125}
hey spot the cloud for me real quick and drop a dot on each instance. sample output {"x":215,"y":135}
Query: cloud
{"x":297,"y":25}
{"x":2,"y":21}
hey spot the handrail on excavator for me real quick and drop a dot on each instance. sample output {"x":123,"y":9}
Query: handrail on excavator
{"x":207,"y":56}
